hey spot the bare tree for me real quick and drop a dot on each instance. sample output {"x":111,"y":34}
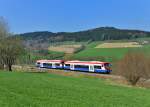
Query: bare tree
{"x":4,"y":30}
{"x":134,"y":66}
{"x":10,"y":47}
{"x":3,"y":34}
{"x":68,"y":56}
{"x":10,"y":51}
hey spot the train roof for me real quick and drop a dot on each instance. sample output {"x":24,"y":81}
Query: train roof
{"x":86,"y":62}
{"x":73,"y":62}
{"x":49,"y":60}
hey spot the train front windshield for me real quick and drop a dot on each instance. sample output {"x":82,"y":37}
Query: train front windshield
{"x":107,"y":66}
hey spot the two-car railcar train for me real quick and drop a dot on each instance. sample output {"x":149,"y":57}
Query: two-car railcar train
{"x":87,"y":66}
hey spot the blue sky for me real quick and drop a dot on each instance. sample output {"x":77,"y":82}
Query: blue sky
{"x":75,"y":15}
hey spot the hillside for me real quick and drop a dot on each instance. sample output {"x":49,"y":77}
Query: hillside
{"x":59,"y":41}
{"x":49,"y":90}
{"x":97,"y":34}
{"x":109,"y":51}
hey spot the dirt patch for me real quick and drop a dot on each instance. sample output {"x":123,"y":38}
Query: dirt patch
{"x":65,"y":48}
{"x":119,"y":45}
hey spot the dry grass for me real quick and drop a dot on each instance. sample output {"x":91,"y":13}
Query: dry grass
{"x":119,"y":45}
{"x":65,"y":48}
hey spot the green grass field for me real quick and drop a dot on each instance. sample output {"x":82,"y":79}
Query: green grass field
{"x":115,"y":53}
{"x":51,"y":55}
{"x":49,"y":90}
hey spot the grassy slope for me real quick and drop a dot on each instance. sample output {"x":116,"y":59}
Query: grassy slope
{"x":49,"y":90}
{"x":52,"y":55}
{"x":116,"y":53}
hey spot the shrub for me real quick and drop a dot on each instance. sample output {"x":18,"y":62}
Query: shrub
{"x":80,"y":49}
{"x":134,"y":66}
{"x":68,"y":56}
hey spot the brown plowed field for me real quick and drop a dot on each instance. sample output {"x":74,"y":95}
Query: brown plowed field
{"x":119,"y":45}
{"x":65,"y":48}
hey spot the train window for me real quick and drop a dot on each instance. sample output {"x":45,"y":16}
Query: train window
{"x":47,"y":64}
{"x":38,"y":63}
{"x":97,"y":67}
{"x":81,"y":66}
{"x":44,"y":64}
{"x":57,"y":64}
{"x":67,"y":65}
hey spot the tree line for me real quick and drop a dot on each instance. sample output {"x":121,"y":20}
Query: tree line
{"x":98,"y":34}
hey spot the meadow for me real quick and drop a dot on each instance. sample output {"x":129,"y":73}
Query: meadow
{"x":51,"y":90}
{"x":94,"y":50}
{"x":109,"y":53}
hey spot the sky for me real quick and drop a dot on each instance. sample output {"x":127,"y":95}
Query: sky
{"x":75,"y":15}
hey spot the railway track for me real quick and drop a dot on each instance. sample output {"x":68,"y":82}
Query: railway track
{"x":114,"y":78}
{"x":68,"y":73}
{"x":78,"y":74}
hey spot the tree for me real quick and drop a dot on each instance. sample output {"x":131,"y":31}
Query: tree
{"x":10,"y":50}
{"x":10,"y":47}
{"x":3,"y":34}
{"x":68,"y":56}
{"x":134,"y":66}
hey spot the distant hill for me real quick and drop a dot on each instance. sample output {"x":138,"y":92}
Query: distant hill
{"x":97,"y":34}
{"x":42,"y":39}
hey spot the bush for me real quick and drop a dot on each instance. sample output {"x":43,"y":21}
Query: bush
{"x":80,"y":49}
{"x":68,"y":56}
{"x":134,"y":66}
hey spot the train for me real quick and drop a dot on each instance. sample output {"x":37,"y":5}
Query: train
{"x":76,"y":65}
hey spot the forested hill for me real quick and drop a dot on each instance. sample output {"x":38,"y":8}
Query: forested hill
{"x":102,"y":33}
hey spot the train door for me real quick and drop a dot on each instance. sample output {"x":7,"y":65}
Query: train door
{"x":41,"y":65}
{"x":72,"y":67}
{"x":91,"y":68}
{"x":53,"y":65}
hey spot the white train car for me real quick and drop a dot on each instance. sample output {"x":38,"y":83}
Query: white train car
{"x":88,"y":66}
{"x":50,"y":64}
{"x":40,"y":63}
